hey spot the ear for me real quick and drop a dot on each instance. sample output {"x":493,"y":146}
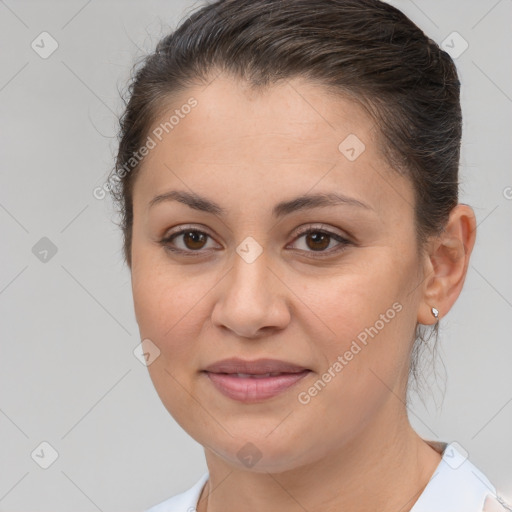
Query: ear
{"x":446,"y":264}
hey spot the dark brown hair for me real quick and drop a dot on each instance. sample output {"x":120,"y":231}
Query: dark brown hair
{"x":365,"y":49}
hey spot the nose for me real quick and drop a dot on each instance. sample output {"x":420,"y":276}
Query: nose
{"x":252,"y":300}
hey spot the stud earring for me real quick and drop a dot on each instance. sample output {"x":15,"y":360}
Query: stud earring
{"x":435,"y":312}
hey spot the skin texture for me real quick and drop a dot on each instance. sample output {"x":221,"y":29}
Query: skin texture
{"x":351,"y":447}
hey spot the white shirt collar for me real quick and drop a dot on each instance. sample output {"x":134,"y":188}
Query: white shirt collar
{"x":456,"y":486}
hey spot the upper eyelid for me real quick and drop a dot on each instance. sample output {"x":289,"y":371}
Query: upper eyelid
{"x":183,"y":229}
{"x":298,"y":231}
{"x":318,"y":227}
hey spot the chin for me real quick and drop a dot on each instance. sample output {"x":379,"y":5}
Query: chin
{"x":259,"y":454}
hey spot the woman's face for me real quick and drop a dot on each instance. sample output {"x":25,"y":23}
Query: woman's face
{"x":244,"y":280}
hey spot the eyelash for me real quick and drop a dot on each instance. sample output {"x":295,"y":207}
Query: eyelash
{"x":344,"y":243}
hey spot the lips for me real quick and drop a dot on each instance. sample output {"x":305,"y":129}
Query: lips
{"x":254,"y":368}
{"x":254,"y":381}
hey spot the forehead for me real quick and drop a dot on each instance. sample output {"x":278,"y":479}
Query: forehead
{"x":265,"y":143}
{"x":284,"y":115}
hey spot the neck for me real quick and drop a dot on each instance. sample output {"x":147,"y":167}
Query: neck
{"x":372,"y":472}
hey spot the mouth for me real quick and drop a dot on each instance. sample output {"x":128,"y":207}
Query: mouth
{"x":254,"y":381}
{"x":261,"y":366}
{"x":255,"y":375}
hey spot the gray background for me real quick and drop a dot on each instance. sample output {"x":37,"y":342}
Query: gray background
{"x":68,"y":375}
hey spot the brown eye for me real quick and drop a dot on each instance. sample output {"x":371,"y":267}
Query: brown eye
{"x":320,"y":241}
{"x":194,"y":239}
{"x":187,"y":241}
{"x":317,"y":241}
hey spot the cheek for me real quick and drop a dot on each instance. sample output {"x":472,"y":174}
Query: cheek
{"x":161,"y":299}
{"x":367,"y":356}
{"x":166,"y":308}
{"x":350,"y":303}
{"x":157,"y":291}
{"x":369,"y":322}
{"x":171,"y":305}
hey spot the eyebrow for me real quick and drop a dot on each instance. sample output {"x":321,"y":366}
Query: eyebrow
{"x":300,"y":203}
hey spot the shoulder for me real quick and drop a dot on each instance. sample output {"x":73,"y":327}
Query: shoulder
{"x":183,"y":502}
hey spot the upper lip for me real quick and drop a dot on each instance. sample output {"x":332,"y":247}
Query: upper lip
{"x":255,"y":367}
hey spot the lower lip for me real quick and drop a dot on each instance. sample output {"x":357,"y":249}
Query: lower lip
{"x":249,"y":390}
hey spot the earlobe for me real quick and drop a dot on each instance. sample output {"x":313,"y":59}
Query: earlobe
{"x":448,"y":261}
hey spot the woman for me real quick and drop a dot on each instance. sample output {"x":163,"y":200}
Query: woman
{"x":287,"y":177}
